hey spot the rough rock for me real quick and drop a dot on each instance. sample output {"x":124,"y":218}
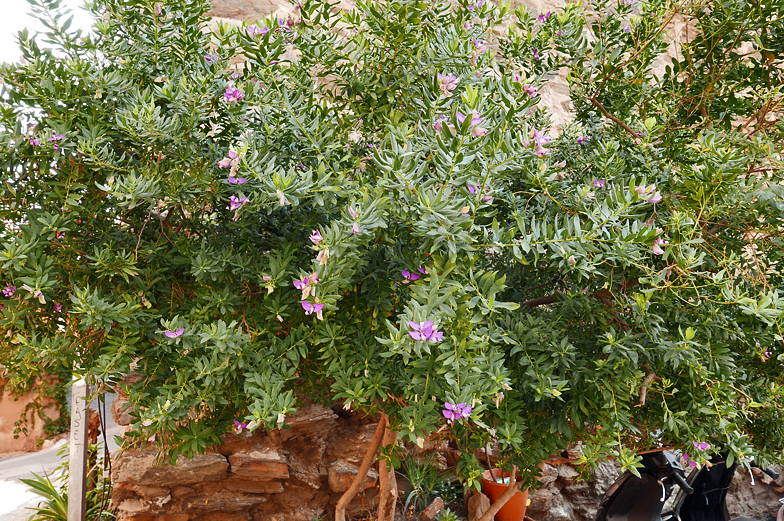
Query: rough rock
{"x":236,"y":484}
{"x":304,"y":456}
{"x":121,"y":413}
{"x":312,"y":420}
{"x":341,"y":475}
{"x":350,"y":443}
{"x":478,"y":504}
{"x":139,"y":467}
{"x":260,"y":464}
{"x":433,"y":510}
{"x":224,"y":502}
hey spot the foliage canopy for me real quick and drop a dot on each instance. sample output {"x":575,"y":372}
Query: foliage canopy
{"x":167,"y":185}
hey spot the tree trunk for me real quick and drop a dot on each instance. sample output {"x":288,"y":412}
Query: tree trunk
{"x":367,"y":461}
{"x":387,"y":482}
{"x":514,"y":487}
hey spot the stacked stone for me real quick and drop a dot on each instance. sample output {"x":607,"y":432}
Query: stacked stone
{"x":296,"y":474}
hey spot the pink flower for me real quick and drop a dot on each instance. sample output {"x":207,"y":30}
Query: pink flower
{"x":479,"y":45}
{"x":409,"y":276}
{"x":543,"y":17}
{"x":158,"y":9}
{"x":701,"y":445}
{"x":540,"y":139}
{"x":600,"y":183}
{"x":455,"y":412}
{"x":233,"y":95}
{"x":254,"y":30}
{"x":446,"y":84}
{"x":35,"y":142}
{"x":310,"y":308}
{"x":238,"y":427}
{"x":355,"y":228}
{"x":235,"y":203}
{"x":531,"y":91}
{"x":315,"y":237}
{"x":237,"y":180}
{"x":352,"y":212}
{"x":656,"y":198}
{"x":478,"y":131}
{"x":658,"y":242}
{"x":9,"y":290}
{"x":425,"y":331}
{"x":475,"y":119}
{"x":174,"y":334}
{"x":690,"y":462}
{"x":57,"y":307}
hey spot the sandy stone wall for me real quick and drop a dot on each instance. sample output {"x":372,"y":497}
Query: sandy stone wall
{"x":11,"y":410}
{"x":294,"y":474}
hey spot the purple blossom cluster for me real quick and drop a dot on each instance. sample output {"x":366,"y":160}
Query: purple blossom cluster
{"x":425,"y":331}
{"x":456,"y":412}
{"x":9,"y":290}
{"x":233,"y":95}
{"x":446,"y":84}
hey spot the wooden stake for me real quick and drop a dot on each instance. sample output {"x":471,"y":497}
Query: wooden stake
{"x":387,"y":481}
{"x":367,"y":461}
{"x":77,"y":450}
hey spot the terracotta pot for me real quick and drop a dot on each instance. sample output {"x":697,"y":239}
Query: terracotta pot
{"x":514,"y":509}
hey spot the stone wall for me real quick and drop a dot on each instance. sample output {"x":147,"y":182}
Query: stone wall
{"x":294,"y":474}
{"x":298,"y":474}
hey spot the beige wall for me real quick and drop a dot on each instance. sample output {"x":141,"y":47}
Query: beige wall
{"x":10,"y":412}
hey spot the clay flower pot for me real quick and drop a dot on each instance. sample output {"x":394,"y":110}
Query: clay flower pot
{"x":514,"y":509}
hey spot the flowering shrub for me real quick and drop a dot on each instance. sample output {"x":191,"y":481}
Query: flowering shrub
{"x":372,"y":209}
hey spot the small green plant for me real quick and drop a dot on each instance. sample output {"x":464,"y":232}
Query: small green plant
{"x":447,"y":515}
{"x":428,"y":482}
{"x":55,"y":492}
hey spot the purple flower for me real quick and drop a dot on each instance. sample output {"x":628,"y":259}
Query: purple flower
{"x":174,"y":334}
{"x":56,"y":136}
{"x":211,"y":58}
{"x":35,"y":142}
{"x":409,"y":276}
{"x":516,"y":76}
{"x":237,"y":180}
{"x":425,"y":331}
{"x":302,"y":284}
{"x":690,"y":462}
{"x":544,"y":16}
{"x":456,"y":412}
{"x":235,"y":203}
{"x":447,"y":83}
{"x":37,"y":293}
{"x":479,"y":45}
{"x":531,"y":91}
{"x":701,"y":445}
{"x":316,"y":237}
{"x":627,"y":2}
{"x":423,"y":271}
{"x":9,"y":290}
{"x":471,"y":187}
{"x":658,"y":242}
{"x":582,"y":139}
{"x":232,"y":95}
{"x":310,"y":308}
{"x":765,"y":354}
{"x":475,"y":119}
{"x":540,"y":139}
{"x":57,"y":307}
{"x":158,"y":9}
{"x":476,"y":5}
{"x":536,"y":55}
{"x":254,"y":31}
{"x":625,"y":26}
{"x":468,"y":26}
{"x":599,"y":183}
{"x":238,"y":427}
